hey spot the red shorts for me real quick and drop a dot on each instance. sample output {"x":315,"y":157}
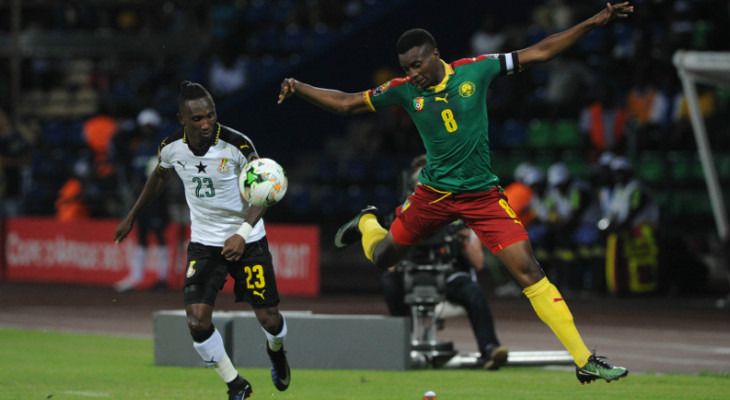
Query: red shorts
{"x":486,"y":213}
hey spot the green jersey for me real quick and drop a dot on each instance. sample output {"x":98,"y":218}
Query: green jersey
{"x":451,"y":118}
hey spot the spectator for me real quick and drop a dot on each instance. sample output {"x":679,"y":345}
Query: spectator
{"x":72,"y":201}
{"x":568,"y":199}
{"x":603,"y":120}
{"x":14,"y":163}
{"x":139,"y":149}
{"x":490,"y":37}
{"x":631,"y":223}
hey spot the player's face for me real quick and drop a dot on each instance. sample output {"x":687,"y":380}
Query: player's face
{"x":423,"y":65}
{"x":199,"y":118}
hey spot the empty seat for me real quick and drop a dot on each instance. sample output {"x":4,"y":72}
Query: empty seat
{"x":540,"y":134}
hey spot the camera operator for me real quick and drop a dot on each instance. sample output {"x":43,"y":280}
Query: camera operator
{"x":463,"y":251}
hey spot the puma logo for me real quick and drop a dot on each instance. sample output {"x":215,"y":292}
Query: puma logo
{"x":443,"y":98}
{"x":260,"y":294}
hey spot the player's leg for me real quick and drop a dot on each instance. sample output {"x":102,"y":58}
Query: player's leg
{"x":256,"y":285}
{"x":501,"y":231}
{"x":274,"y":326}
{"x":552,"y":309}
{"x":136,"y":270}
{"x":545,"y":297}
{"x":423,"y":213}
{"x":377,"y":243}
{"x":163,"y":258}
{"x":206,"y":273}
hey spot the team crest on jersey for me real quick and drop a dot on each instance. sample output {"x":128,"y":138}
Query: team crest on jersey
{"x":467,"y":89}
{"x":418,"y":103}
{"x":223,"y":167}
{"x":380,"y":89}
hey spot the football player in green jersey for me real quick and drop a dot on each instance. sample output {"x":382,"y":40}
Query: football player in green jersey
{"x":447,"y":102}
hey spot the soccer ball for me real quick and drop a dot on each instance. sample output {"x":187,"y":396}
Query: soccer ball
{"x":262,"y":182}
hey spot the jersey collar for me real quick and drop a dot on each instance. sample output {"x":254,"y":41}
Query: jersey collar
{"x":441,"y":86}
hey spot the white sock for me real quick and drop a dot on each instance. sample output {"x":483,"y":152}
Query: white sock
{"x":163,"y":260}
{"x":137,"y":272}
{"x":213,"y":352}
{"x":276,"y":341}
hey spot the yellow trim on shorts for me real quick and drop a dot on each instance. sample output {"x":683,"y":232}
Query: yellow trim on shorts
{"x":445,"y":194}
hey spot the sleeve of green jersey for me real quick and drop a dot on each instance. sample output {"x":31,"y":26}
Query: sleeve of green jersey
{"x":388,"y":94}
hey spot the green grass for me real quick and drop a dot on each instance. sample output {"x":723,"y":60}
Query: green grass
{"x":58,"y":366}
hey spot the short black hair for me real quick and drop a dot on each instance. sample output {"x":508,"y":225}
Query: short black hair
{"x":414,"y":38}
{"x":190,"y":91}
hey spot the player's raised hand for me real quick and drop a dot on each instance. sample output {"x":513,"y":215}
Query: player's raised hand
{"x":611,"y":12}
{"x":287,"y":89}
{"x":122,"y":230}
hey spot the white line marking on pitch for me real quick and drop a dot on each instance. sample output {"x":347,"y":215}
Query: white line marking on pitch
{"x":87,"y":394}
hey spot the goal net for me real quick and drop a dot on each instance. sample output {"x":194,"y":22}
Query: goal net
{"x":711,"y":68}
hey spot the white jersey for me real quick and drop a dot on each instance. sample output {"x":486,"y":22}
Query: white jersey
{"x":217,"y":209}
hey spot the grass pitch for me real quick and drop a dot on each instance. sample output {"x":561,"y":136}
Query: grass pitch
{"x":60,"y":366}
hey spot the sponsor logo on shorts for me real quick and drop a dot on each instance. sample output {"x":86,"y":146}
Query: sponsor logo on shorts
{"x":191,"y":269}
{"x":260,"y":294}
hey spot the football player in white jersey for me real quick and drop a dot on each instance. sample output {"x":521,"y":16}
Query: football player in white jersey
{"x":227,"y":235}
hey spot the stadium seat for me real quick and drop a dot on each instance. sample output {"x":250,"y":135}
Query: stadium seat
{"x":504,"y":164}
{"x":722,"y":163}
{"x":540,"y":134}
{"x":330,"y":200}
{"x":385,"y":197}
{"x":579,"y":167}
{"x":54,"y":133}
{"x":327,"y":170}
{"x":567,"y":135}
{"x":384,"y":170}
{"x":299,"y":200}
{"x":685,"y":167}
{"x":356,"y":197}
{"x":513,"y":133}
{"x":356,"y":170}
{"x":650,"y":167}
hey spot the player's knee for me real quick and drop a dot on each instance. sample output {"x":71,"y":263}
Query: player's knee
{"x":528,"y":271}
{"x":198,"y":326}
{"x":200,"y":331}
{"x":387,"y":254}
{"x":270,"y":320}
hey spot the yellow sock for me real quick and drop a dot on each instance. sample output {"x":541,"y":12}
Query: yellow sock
{"x":552,"y":310}
{"x":372,"y":234}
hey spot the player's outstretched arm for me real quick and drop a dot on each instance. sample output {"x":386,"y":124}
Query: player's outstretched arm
{"x":331,"y":100}
{"x":555,"y":44}
{"x":152,"y":189}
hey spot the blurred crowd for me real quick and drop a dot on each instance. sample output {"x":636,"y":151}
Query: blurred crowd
{"x":76,"y":140}
{"x":581,"y":229}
